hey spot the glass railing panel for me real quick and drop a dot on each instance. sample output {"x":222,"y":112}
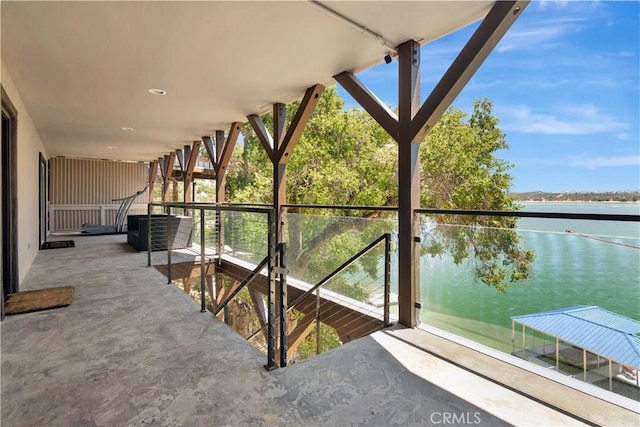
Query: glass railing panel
{"x":245,"y":235}
{"x":575,"y":262}
{"x":205,"y":219}
{"x":351,"y":303}
{"x":318,"y":244}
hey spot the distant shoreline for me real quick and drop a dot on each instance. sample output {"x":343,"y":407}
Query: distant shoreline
{"x":578,"y":197}
{"x":609,"y":202}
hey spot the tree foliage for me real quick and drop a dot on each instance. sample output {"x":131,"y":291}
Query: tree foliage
{"x":342,"y":158}
{"x":460,"y":170}
{"x":345,"y":158}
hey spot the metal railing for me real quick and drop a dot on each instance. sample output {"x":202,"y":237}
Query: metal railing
{"x":348,"y":317}
{"x":168,"y":231}
{"x":231,"y":248}
{"x":584,"y":258}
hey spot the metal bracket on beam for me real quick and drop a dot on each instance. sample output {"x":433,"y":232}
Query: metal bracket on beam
{"x":280,"y":270}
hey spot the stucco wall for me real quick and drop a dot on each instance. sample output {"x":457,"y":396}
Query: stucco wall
{"x":29,"y":145}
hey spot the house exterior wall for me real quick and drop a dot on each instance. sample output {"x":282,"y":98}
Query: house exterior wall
{"x":29,"y":146}
{"x":82,"y":190}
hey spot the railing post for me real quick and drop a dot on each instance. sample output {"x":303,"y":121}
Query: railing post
{"x":148,"y":235}
{"x":282,"y":274}
{"x":317,"y":321}
{"x":271,"y":293}
{"x":387,"y":277}
{"x":203,"y":277}
{"x":168,"y":246}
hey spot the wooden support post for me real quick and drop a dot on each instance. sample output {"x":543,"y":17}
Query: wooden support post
{"x":174,"y":186}
{"x":210,"y":290}
{"x":260,"y":309}
{"x":279,"y":148}
{"x":167,"y":174}
{"x":486,"y":37}
{"x":301,"y":331}
{"x":188,"y":170}
{"x":221,"y":173}
{"x":180,"y":157}
{"x":408,"y":184}
{"x":412,"y":125}
{"x":219,"y":151}
{"x":153,"y":176}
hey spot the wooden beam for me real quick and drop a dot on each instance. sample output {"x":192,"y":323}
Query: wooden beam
{"x":301,"y":331}
{"x":221,"y":194}
{"x":186,"y":150}
{"x":306,"y":108}
{"x":260,"y":309}
{"x":222,"y":156}
{"x":279,"y":124}
{"x":350,"y":320}
{"x":494,"y":26}
{"x":408,"y":182}
{"x":191,"y":161}
{"x":190,"y":164}
{"x":229,"y":145}
{"x":180,"y":156}
{"x":226,"y":292}
{"x":153,"y":176}
{"x":153,"y":171}
{"x":161,"y":162}
{"x":370,"y":102}
{"x":211,"y":149}
{"x":263,"y":135}
{"x":220,"y":141}
{"x":169,"y":161}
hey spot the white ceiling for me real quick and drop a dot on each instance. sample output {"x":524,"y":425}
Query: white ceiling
{"x":83,"y":68}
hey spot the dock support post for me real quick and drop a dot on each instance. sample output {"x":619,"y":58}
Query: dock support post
{"x":610,"y":376}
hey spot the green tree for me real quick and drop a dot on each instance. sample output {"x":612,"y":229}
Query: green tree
{"x":345,"y":158}
{"x":342,"y":158}
{"x":460,"y":171}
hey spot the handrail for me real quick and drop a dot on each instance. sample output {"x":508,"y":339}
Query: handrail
{"x":342,"y":207}
{"x":387,"y":279}
{"x":267,"y":262}
{"x":526,"y":214}
{"x":215,"y":206}
{"x":262,"y":208}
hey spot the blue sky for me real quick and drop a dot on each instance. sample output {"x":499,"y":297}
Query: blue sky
{"x":565,"y":82}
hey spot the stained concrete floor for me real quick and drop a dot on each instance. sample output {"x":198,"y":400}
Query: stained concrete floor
{"x":133,"y":350}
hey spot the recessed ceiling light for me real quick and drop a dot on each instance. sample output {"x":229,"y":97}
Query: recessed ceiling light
{"x":159,"y":92}
{"x":127,"y":128}
{"x":112,"y":148}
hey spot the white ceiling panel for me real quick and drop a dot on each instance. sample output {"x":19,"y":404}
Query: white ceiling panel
{"x":83,"y":68}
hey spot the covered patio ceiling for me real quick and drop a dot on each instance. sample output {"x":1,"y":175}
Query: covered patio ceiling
{"x":83,"y":69}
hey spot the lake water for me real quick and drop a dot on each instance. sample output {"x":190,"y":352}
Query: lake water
{"x":570,"y":269}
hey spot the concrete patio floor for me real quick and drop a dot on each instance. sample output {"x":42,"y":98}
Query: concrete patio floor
{"x":134,"y":350}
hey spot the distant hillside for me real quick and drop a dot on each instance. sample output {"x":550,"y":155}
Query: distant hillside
{"x":605,"y":196}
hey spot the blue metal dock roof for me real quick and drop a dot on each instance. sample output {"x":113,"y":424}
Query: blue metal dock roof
{"x":592,"y":328}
